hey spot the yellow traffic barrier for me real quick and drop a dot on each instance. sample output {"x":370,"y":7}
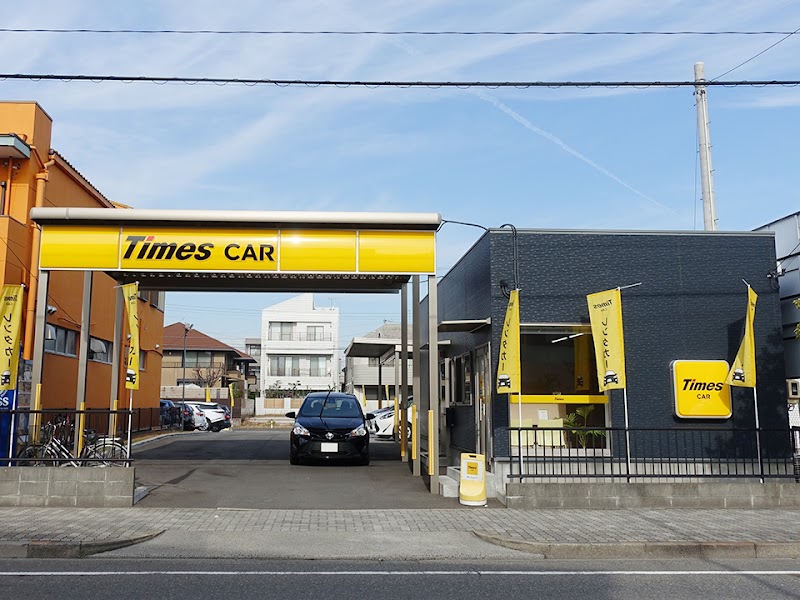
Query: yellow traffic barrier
{"x":472,"y":487}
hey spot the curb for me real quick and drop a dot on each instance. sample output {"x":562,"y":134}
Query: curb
{"x":50,"y":549}
{"x":633,"y":550}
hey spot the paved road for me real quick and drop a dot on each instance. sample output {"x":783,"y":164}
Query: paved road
{"x":250,"y":469}
{"x":510,"y":580}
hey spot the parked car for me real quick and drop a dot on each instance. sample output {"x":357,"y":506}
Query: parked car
{"x":217,"y":417}
{"x":193,"y":417}
{"x":329,"y":426}
{"x":170,"y":414}
{"x":383,"y":425}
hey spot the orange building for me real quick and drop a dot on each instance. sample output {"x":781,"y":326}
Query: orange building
{"x":32,"y":174}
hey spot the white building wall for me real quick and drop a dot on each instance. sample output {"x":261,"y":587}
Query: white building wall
{"x":300,"y":311}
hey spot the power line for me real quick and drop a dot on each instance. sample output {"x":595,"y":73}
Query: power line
{"x":755,"y":56}
{"x":314,"y":83}
{"x":234,"y":32}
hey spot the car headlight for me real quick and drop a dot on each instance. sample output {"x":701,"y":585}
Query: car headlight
{"x":300,"y":430}
{"x":359,"y":431}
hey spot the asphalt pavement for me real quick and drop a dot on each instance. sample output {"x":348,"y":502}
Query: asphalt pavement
{"x":331,"y":579}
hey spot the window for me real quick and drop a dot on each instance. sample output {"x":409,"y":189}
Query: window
{"x":318,"y":366}
{"x":463,"y":379}
{"x":198,"y":358}
{"x":315,"y":333}
{"x":142,"y":360}
{"x":157,"y":300}
{"x":281,"y":331}
{"x":285,"y":366}
{"x":61,"y":341}
{"x":100,"y":350}
{"x":374,"y":361}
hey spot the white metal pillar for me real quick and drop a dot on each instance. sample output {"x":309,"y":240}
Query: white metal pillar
{"x":404,"y":367}
{"x":416,"y":336}
{"x":433,"y":384}
{"x":83,"y":351}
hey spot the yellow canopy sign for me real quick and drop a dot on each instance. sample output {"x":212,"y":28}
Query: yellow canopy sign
{"x":193,"y":249}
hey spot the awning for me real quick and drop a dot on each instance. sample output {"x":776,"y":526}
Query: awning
{"x":374,"y":347}
{"x":465,"y":325}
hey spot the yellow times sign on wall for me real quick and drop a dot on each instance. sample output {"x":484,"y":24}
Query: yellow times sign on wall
{"x":195,"y":249}
{"x":700,"y":389}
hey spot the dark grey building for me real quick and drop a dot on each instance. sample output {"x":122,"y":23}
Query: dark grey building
{"x":691,"y":305}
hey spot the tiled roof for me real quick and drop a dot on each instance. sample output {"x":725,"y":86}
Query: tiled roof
{"x":195,"y":340}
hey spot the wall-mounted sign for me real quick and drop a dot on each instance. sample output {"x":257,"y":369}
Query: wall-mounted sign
{"x":700,"y":390}
{"x":208,"y":249}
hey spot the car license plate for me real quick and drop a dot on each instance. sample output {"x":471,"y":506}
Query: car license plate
{"x":329,"y":447}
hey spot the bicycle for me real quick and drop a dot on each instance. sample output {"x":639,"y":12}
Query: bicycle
{"x":98,"y":451}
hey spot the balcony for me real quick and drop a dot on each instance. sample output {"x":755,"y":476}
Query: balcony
{"x":299,"y":337}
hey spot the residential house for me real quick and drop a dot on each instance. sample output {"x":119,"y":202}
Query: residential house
{"x":299,"y":351}
{"x":194,"y":361}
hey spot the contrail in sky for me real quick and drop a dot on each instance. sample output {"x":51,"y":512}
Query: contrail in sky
{"x":561,"y":144}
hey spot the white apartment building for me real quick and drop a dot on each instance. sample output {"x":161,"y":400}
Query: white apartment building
{"x":299,"y":347}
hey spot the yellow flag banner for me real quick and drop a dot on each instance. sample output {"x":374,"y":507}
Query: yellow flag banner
{"x":508,"y":368}
{"x":130,"y":292}
{"x":10,"y":321}
{"x":605,"y":315}
{"x":743,"y":369}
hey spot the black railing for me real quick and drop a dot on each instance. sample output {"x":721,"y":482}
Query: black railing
{"x":617,"y":454}
{"x":62,"y":437}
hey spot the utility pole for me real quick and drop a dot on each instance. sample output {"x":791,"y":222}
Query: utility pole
{"x":186,"y":329}
{"x":704,"y":139}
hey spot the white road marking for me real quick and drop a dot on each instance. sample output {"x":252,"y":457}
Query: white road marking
{"x":384,"y":573}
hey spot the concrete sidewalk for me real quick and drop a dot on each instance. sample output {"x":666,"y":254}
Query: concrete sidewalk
{"x":400,"y":534}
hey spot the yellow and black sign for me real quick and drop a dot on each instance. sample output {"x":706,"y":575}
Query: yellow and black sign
{"x":605,"y":315}
{"x":10,"y":321}
{"x":130,"y":293}
{"x":700,"y":389}
{"x":186,"y":249}
{"x":508,"y":364}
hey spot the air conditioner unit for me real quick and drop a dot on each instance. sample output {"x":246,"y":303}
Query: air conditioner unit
{"x":793,"y":389}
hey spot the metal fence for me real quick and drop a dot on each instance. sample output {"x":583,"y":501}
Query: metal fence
{"x":647,"y":454}
{"x":91,"y":437}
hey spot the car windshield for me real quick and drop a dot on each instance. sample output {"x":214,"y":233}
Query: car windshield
{"x":330,"y":406}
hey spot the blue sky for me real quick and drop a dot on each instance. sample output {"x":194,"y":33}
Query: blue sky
{"x":540,"y":158}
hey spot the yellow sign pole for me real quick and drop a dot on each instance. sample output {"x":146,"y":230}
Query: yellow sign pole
{"x":37,"y":416}
{"x":413,"y":432}
{"x":81,"y":425}
{"x":430,"y":450}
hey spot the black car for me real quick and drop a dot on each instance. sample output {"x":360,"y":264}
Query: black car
{"x":329,"y":426}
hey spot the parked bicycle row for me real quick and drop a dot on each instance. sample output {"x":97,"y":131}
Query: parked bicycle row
{"x":49,"y":439}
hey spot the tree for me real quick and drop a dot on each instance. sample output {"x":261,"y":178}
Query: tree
{"x":208,"y":376}
{"x":577,"y":424}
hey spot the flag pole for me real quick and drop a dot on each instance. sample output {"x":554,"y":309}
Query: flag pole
{"x":627,"y":433}
{"x":758,"y":436}
{"x":130,"y":425}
